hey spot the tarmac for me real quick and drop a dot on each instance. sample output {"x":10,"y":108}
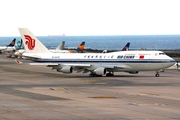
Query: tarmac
{"x":39,"y":93}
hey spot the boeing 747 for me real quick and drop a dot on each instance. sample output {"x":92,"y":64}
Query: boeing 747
{"x":97,"y":64}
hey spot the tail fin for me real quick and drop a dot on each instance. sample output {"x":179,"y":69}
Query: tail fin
{"x":19,"y":44}
{"x":12,"y":43}
{"x":31,"y":43}
{"x":80,"y":48}
{"x":126,"y":47}
{"x":61,"y":46}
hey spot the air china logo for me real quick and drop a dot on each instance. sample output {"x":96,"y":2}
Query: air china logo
{"x":30,"y":42}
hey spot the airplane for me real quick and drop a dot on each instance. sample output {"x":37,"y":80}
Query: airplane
{"x":8,"y":48}
{"x":97,"y":64}
{"x":125,"y":48}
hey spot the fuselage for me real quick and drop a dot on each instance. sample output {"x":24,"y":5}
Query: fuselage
{"x":121,"y":61}
{"x":21,"y":51}
{"x":7,"y":48}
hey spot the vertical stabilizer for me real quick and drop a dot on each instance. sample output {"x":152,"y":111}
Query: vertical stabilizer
{"x":126,"y":47}
{"x":61,"y":46}
{"x":12,"y":43}
{"x":80,"y":48}
{"x":31,"y":43}
{"x":18,"y":45}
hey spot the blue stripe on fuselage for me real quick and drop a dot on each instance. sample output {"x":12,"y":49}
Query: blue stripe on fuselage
{"x":104,"y":61}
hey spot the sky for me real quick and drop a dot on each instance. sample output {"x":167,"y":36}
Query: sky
{"x":90,"y":17}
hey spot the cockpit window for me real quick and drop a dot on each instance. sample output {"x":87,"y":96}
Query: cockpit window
{"x":162,"y":54}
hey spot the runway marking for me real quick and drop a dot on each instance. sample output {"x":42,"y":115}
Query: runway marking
{"x":142,"y":94}
{"x":103,"y":97}
{"x":153,"y":104}
{"x":100,"y":83}
{"x":146,"y":94}
{"x":58,"y":89}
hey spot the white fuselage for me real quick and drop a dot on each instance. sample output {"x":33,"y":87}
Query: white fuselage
{"x":116,"y":61}
{"x":21,"y":51}
{"x":7,"y":48}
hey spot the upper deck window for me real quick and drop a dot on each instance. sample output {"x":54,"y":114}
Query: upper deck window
{"x":162,"y":54}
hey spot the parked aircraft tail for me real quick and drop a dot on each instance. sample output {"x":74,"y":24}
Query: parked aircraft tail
{"x":126,"y":47}
{"x":31,"y":43}
{"x":18,"y":44}
{"x":61,"y":46}
{"x":12,"y":43}
{"x":80,"y":48}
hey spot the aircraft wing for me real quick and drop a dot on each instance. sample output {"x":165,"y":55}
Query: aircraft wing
{"x":77,"y":66}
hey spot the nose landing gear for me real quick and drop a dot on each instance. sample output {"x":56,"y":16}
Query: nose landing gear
{"x":157,"y":73}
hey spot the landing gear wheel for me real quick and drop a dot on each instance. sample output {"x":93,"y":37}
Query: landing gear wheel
{"x":110,"y":74}
{"x":93,"y":75}
{"x":157,"y":75}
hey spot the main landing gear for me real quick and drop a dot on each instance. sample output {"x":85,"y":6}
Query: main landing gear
{"x":94,"y":75}
{"x":110,"y":74}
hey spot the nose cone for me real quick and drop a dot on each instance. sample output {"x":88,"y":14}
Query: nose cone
{"x":171,"y":62}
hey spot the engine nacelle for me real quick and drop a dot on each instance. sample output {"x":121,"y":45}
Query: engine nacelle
{"x":65,"y":69}
{"x":134,"y":72}
{"x":100,"y":71}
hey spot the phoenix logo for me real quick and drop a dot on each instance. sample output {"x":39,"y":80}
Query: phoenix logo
{"x":30,"y":42}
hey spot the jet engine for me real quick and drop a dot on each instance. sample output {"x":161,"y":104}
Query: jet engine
{"x":65,"y":69}
{"x":100,"y":71}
